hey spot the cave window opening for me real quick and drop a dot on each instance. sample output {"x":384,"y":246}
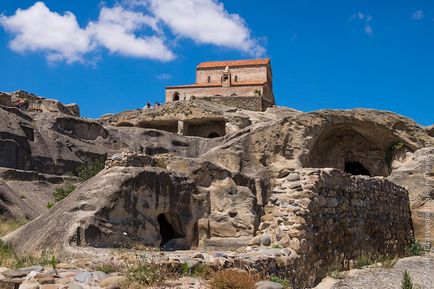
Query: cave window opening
{"x":356,"y":168}
{"x":167,"y":231}
{"x":213,"y":135}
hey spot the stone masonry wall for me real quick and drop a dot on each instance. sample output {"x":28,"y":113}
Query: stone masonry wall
{"x":254,"y":103}
{"x":244,"y":74}
{"x":326,"y":215}
{"x":185,"y":93}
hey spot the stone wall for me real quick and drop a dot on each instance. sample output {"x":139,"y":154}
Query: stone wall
{"x":186,"y":93}
{"x":326,"y":215}
{"x":244,"y":102}
{"x":244,"y":74}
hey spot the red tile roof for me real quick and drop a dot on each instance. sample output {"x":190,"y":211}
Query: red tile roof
{"x":247,"y":62}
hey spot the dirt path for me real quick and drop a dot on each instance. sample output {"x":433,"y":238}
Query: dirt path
{"x":421,"y":270}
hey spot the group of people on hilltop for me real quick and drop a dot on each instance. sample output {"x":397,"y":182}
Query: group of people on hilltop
{"x":22,"y":104}
{"x":156,"y":104}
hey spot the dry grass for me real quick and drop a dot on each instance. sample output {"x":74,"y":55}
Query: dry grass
{"x":9,"y":259}
{"x":7,"y":226}
{"x":233,"y":279}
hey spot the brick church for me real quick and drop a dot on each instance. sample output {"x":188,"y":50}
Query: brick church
{"x":241,"y":83}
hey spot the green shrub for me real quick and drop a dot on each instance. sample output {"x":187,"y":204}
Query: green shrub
{"x":362,"y":261}
{"x":281,"y":281}
{"x":50,"y":205}
{"x":406,"y":282}
{"x":53,"y":262}
{"x":5,"y":251}
{"x":184,"y":269}
{"x":413,"y":249}
{"x":147,"y":273}
{"x":88,"y":171}
{"x":61,"y":193}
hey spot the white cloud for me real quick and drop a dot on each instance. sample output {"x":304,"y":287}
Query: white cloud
{"x":366,"y":19}
{"x":205,"y":22}
{"x":115,"y":30}
{"x":134,"y":28}
{"x":39,"y":29}
{"x":164,"y":76}
{"x":417,"y":15}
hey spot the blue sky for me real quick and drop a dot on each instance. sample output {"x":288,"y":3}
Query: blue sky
{"x":116,"y":55}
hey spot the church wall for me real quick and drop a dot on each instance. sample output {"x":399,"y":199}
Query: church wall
{"x":185,"y":93}
{"x":245,"y":74}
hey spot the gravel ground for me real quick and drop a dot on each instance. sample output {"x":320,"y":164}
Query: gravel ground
{"x":421,"y":270}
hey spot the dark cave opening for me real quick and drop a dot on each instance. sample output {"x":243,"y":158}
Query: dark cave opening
{"x":213,"y":135}
{"x":167,"y":231}
{"x":356,"y":168}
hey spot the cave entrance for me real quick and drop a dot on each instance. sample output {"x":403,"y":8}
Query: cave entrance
{"x":167,"y":231}
{"x":213,"y":135}
{"x":356,"y":168}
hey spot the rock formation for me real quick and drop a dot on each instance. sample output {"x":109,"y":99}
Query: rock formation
{"x":291,"y":192}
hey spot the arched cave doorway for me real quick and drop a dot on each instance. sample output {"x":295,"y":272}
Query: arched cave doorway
{"x":176,"y":96}
{"x":356,"y":168}
{"x":213,"y":135}
{"x":167,"y":231}
{"x":356,"y":149}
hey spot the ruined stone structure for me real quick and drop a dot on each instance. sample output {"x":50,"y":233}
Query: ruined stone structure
{"x":279,"y":191}
{"x":245,"y":84}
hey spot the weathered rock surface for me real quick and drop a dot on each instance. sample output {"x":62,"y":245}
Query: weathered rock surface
{"x":415,"y":172}
{"x":199,"y":175}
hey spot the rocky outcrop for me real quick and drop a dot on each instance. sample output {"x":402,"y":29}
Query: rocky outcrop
{"x":12,"y":206}
{"x":318,"y":216}
{"x":415,"y":172}
{"x":294,"y":192}
{"x":41,"y":104}
{"x":161,"y":202}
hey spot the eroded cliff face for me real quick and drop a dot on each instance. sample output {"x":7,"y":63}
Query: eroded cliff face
{"x":306,"y":189}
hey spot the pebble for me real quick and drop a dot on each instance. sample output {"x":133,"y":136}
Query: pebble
{"x":10,"y":283}
{"x":293,"y":177}
{"x":266,"y":240}
{"x":46,"y":280}
{"x":83,"y":277}
{"x":11,"y":273}
{"x":29,"y":285}
{"x":268,"y":285}
{"x":98,"y":275}
{"x":32,"y":269}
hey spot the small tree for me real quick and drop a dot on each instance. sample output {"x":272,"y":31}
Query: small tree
{"x":406,"y":283}
{"x":88,"y":171}
{"x":61,"y":193}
